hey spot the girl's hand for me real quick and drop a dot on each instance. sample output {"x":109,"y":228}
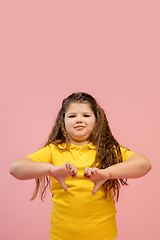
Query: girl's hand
{"x":96,"y":175}
{"x":61,"y":173}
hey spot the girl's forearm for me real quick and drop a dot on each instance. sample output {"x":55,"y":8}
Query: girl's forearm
{"x":136,"y":166}
{"x":26,"y":168}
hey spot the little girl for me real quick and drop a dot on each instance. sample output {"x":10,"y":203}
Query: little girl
{"x":87,"y":166}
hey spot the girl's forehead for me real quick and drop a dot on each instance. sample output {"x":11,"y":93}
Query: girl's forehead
{"x":79,"y":107}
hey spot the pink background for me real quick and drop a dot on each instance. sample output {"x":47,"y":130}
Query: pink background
{"x":50,"y":49}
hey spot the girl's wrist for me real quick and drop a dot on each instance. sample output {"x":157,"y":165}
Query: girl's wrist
{"x":106,"y":174}
{"x":54,"y":171}
{"x":51,"y":170}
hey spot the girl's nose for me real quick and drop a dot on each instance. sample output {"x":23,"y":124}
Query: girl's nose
{"x":78,"y":120}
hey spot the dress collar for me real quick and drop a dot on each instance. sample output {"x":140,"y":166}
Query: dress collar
{"x":90,"y":145}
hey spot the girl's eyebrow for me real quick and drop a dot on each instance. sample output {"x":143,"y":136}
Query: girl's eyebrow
{"x":71,"y":113}
{"x":87,"y":113}
{"x":76,"y":113}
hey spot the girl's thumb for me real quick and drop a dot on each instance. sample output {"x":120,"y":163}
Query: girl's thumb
{"x":64,"y":186}
{"x":96,"y":186}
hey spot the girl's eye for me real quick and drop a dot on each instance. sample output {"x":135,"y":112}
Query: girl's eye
{"x":86,"y":115}
{"x":72,"y":116}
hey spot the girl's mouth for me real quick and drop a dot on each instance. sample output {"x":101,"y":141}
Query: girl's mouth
{"x":79,"y":127}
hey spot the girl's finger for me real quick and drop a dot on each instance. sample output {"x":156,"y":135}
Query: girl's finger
{"x":86,"y":170}
{"x":72,"y":168}
{"x":67,"y":165}
{"x":75,"y":170}
{"x":94,"y":171}
{"x":74,"y":174}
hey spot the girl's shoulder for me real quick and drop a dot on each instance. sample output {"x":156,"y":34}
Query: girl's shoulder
{"x":126,"y":153}
{"x":57,"y":146}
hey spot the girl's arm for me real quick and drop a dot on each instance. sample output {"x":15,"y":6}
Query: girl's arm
{"x":136,"y":166}
{"x":26,"y":168}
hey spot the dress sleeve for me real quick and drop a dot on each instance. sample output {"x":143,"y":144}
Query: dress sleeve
{"x":42,"y":155}
{"x":126,"y":153}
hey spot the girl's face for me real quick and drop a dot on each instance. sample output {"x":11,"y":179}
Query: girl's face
{"x":79,"y":122}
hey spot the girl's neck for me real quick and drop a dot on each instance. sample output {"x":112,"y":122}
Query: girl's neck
{"x":80,"y":143}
